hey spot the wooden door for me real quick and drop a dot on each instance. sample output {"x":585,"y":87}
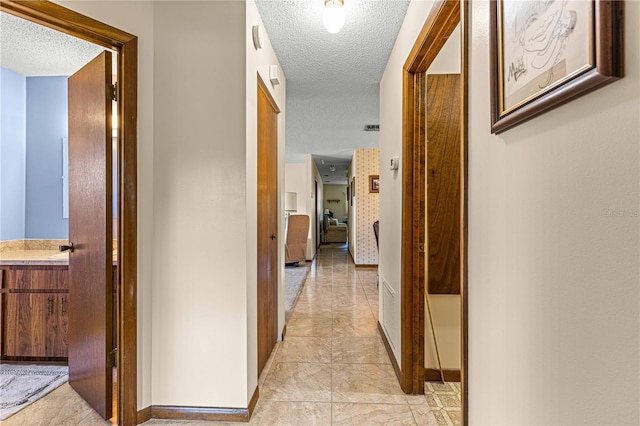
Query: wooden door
{"x":443,"y":183}
{"x":267,"y":227}
{"x":90,"y":231}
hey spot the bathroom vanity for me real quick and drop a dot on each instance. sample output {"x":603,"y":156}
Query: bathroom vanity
{"x":34,"y":312}
{"x":34,"y":292}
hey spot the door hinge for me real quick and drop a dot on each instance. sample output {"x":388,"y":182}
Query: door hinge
{"x":112,"y":358}
{"x":112,"y":91}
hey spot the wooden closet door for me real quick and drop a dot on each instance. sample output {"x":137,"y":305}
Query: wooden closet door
{"x":267,"y":227}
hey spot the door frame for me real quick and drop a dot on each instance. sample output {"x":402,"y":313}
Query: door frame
{"x":442,"y":20}
{"x":315,"y":214}
{"x":262,"y":87}
{"x":75,"y":24}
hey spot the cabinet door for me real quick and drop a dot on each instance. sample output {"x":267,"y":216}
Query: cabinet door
{"x":26,"y":323}
{"x":57,"y":326}
{"x":36,"y":325}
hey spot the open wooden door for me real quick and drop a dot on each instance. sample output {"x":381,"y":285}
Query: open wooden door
{"x":443,"y":183}
{"x":267,"y":226}
{"x":90,"y":234}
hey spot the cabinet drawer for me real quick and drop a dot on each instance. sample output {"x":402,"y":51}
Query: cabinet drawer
{"x":25,"y":277}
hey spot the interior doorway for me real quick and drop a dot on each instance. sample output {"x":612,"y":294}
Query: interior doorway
{"x":267,"y":224}
{"x":442,"y":20}
{"x":316,"y":213}
{"x":61,"y":19}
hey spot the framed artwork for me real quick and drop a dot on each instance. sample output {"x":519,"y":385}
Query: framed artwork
{"x":547,"y":52}
{"x":374,"y":183}
{"x":353,"y":189}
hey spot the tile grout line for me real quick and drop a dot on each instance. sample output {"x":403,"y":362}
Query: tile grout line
{"x":331,"y":365}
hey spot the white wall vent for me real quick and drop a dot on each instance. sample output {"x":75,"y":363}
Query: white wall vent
{"x":389,"y":313}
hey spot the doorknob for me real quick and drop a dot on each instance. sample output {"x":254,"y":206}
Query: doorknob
{"x":65,"y":248}
{"x":273,"y":237}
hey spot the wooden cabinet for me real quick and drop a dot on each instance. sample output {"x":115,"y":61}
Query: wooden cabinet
{"x":34,"y":312}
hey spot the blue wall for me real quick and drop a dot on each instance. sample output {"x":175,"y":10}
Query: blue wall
{"x":12,"y":155}
{"x":46,"y":126}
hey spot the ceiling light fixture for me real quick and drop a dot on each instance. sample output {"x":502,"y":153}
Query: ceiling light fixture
{"x":332,"y":168}
{"x":333,"y":17}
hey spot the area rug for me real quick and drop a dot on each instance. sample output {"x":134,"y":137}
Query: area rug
{"x":294,"y":280}
{"x":21,"y":385}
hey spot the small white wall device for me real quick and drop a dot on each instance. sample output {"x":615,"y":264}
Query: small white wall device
{"x":274,"y":75}
{"x":255,"y":33}
{"x":394,"y":163}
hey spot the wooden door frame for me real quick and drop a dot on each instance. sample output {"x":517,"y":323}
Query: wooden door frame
{"x":442,"y":20}
{"x":75,"y":24}
{"x":315,"y":215}
{"x":264,"y":88}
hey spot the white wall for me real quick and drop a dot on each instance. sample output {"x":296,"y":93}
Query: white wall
{"x":199,"y":299}
{"x":445,"y":309}
{"x":553,"y":243}
{"x":202,"y":300}
{"x":449,"y":58}
{"x":295,"y":180}
{"x":391,"y":181}
{"x":313,"y":176}
{"x":553,"y":276}
{"x":136,"y":17}
{"x":257,"y":63}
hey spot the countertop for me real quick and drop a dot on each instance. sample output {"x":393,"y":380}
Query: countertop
{"x":33,"y":257}
{"x":37,"y":257}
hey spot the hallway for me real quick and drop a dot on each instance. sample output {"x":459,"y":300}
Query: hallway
{"x":331,"y":369}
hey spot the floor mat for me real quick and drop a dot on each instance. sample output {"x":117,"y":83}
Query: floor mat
{"x":21,"y":385}
{"x":294,"y":280}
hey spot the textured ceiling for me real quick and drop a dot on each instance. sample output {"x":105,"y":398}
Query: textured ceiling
{"x":332,"y":79}
{"x":340,"y":165}
{"x":34,"y":50}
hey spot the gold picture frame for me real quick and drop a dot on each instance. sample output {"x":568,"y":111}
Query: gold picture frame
{"x":374,"y":183}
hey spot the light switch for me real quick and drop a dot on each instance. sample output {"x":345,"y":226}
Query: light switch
{"x":394,"y":163}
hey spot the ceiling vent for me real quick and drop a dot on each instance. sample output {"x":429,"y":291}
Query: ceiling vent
{"x":371,"y":127}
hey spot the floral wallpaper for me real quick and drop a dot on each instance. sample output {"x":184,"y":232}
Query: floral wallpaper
{"x":367,"y":206}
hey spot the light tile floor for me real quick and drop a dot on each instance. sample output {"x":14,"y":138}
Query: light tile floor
{"x":331,"y":369}
{"x":62,"y":407}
